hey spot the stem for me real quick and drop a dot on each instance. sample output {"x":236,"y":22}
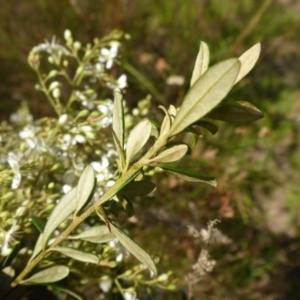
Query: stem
{"x":120,"y":183}
{"x":45,"y":90}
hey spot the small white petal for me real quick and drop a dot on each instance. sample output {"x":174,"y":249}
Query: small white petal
{"x":66,"y":188}
{"x":105,"y":284}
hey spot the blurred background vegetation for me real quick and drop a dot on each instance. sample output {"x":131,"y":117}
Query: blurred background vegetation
{"x":257,"y":165}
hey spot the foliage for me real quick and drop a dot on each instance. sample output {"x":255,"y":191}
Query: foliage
{"x":110,"y":153}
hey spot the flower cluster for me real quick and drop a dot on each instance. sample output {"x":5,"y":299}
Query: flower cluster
{"x":41,"y":160}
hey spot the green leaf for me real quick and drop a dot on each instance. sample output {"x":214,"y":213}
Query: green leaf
{"x":77,"y":254}
{"x":96,"y":234}
{"x":138,"y":188}
{"x":52,"y":274}
{"x":118,"y":117}
{"x":207,"y":125}
{"x":85,"y":187}
{"x":189,"y":175}
{"x":127,"y":205}
{"x":138,"y":137}
{"x":154,"y":130}
{"x":166,"y":124}
{"x":38,"y":246}
{"x":240,"y":111}
{"x":248,"y":60}
{"x":170,"y":155}
{"x":38,"y":223}
{"x":206,"y":93}
{"x":201,"y":63}
{"x":134,"y":248}
{"x":194,"y":133}
{"x":60,"y":213}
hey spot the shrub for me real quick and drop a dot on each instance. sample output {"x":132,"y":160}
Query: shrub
{"x":67,"y":179}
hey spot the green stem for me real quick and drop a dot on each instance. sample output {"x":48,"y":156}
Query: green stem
{"x":45,"y":90}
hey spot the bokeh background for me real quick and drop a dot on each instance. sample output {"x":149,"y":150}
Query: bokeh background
{"x":257,"y":165}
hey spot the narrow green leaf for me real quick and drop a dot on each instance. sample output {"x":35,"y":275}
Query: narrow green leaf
{"x":52,"y":274}
{"x":206,"y":93}
{"x":38,"y":246}
{"x":77,"y":254}
{"x":60,"y":213}
{"x":170,"y":155}
{"x":39,"y":224}
{"x":189,"y":175}
{"x":118,"y":117}
{"x":207,"y":125}
{"x":248,"y":60}
{"x":138,"y":188}
{"x":121,"y":161}
{"x":138,"y":137}
{"x":85,"y":187}
{"x":201,"y":63}
{"x":96,"y":234}
{"x":134,"y":248}
{"x":240,"y":111}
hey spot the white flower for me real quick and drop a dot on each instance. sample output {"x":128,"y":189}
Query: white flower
{"x":121,"y":251}
{"x":107,"y":56}
{"x":51,"y":47}
{"x":27,"y":132}
{"x":101,"y":169}
{"x":107,"y":110}
{"x":66,"y":188}
{"x":105,"y":284}
{"x":130,"y":296}
{"x":14,"y":164}
{"x":120,"y":84}
{"x":5,"y":250}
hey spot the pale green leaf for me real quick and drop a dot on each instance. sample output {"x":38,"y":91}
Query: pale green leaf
{"x":206,"y":93}
{"x":170,"y":155}
{"x":138,"y":137}
{"x":154,"y":131}
{"x":52,"y":274}
{"x":38,"y":246}
{"x":77,"y":254}
{"x":96,"y":234}
{"x":85,"y":187}
{"x":134,"y":248}
{"x":118,"y":117}
{"x":201,"y":63}
{"x":60,"y":213}
{"x":166,"y":124}
{"x":248,"y":60}
{"x":138,"y":188}
{"x":189,"y":175}
{"x":240,"y":111}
